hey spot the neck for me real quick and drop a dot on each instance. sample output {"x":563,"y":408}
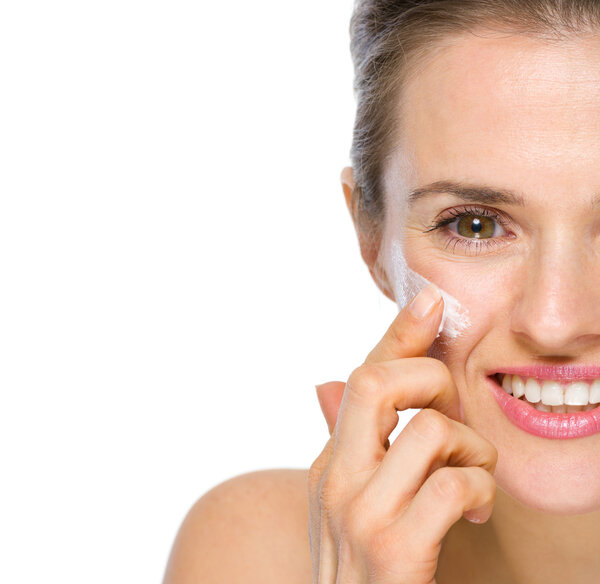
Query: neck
{"x":519,"y":545}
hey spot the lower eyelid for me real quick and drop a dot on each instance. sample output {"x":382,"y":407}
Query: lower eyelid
{"x":472,"y":246}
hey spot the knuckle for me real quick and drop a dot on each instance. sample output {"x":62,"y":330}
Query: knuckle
{"x":487,"y":451}
{"x":366,"y":381}
{"x":315,"y":473}
{"x":439,"y":371}
{"x":492,"y":456}
{"x":319,"y":466}
{"x":487,"y":483}
{"x":397,"y":335}
{"x":450,"y":484}
{"x":355,"y":518}
{"x":331,"y":489}
{"x":431,"y":426}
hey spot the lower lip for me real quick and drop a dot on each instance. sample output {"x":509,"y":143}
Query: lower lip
{"x":545,"y":424}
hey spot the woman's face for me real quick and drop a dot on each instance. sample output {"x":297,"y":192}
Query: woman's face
{"x":511,"y":114}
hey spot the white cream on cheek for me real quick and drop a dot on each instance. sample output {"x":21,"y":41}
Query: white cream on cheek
{"x":407,"y":283}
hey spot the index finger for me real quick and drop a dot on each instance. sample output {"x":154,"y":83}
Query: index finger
{"x":414,"y":329}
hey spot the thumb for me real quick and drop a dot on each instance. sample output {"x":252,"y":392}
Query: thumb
{"x":330,"y":397}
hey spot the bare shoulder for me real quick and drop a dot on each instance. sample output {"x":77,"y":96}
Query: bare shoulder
{"x":251,"y":528}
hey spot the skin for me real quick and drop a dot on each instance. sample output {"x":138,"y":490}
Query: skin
{"x":518,"y":113}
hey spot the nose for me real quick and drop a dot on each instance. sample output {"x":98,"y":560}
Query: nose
{"x":557,"y":303}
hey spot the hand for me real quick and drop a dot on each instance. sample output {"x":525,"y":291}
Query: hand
{"x":379,"y":512}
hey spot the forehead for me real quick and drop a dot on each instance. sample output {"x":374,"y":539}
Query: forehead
{"x":510,"y":109}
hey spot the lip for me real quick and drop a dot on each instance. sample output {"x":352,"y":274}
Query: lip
{"x":545,"y":424}
{"x":564,"y":372}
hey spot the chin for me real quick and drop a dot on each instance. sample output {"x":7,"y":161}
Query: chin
{"x":562,"y":490}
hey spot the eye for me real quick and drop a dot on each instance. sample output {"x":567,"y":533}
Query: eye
{"x":472,"y":230}
{"x":476,"y":226}
{"x":471,"y":223}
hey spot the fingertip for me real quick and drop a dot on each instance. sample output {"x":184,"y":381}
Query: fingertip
{"x":479,"y":515}
{"x":330,"y":396}
{"x":425,"y":302}
{"x":323,"y":388}
{"x":320,"y":388}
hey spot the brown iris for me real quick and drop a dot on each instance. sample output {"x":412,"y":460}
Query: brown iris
{"x":476,"y":227}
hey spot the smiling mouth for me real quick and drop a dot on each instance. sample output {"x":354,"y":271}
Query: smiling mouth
{"x":552,"y":395}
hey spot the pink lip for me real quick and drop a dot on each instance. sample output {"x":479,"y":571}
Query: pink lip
{"x":545,"y":424}
{"x":566,"y":372}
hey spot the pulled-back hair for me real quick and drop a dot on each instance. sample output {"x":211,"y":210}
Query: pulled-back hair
{"x":388,"y":39}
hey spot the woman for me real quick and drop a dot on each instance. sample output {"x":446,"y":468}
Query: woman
{"x":476,"y":166}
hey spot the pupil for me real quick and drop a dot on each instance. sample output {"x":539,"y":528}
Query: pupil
{"x":476,"y":226}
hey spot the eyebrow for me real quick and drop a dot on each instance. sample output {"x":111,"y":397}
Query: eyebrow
{"x":471,"y":193}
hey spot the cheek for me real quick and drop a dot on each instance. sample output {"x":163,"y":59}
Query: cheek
{"x":407,"y":283}
{"x":483,"y":290}
{"x":485,"y":293}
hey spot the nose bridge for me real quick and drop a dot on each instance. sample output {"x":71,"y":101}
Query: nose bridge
{"x":559,"y":300}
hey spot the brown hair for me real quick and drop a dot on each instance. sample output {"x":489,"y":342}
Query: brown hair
{"x":388,"y":40}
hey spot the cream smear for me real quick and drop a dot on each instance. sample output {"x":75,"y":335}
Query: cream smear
{"x":407,"y":284}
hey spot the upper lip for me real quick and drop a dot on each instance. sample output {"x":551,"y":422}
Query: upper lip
{"x":566,"y":372}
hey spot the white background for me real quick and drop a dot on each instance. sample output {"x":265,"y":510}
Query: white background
{"x":177,"y":266}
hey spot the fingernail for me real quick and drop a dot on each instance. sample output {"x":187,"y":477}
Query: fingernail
{"x":474,"y":515}
{"x":424,"y":301}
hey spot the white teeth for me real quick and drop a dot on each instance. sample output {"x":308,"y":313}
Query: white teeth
{"x":552,"y":394}
{"x":577,"y":394}
{"x":532,"y":391}
{"x":518,"y":386}
{"x":595,"y":392}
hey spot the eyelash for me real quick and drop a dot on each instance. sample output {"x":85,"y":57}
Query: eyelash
{"x":472,"y":245}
